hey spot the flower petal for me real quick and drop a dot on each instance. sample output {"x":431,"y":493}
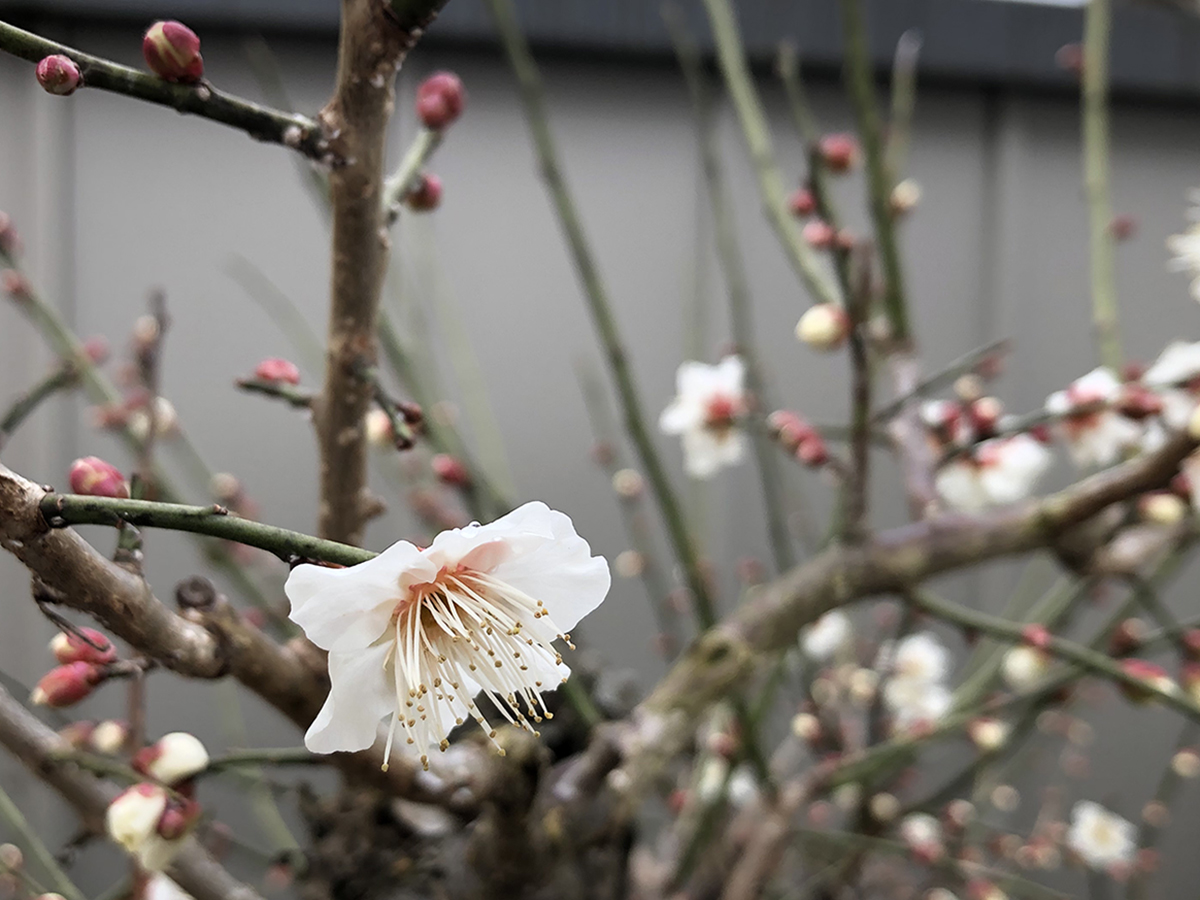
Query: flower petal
{"x":346,"y":609}
{"x":361,"y":694}
{"x":681,"y":416}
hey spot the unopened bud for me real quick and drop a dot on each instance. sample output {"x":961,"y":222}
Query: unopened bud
{"x":628,"y":483}
{"x":172,"y":51}
{"x":96,"y":478}
{"x":426,"y":195}
{"x":450,"y":470}
{"x":905,"y":197}
{"x":133,"y":819}
{"x":789,"y":429}
{"x":10,"y":241}
{"x":379,"y":428}
{"x":629,"y":564}
{"x":1190,"y":643}
{"x":839,"y":152}
{"x":806,"y":727}
{"x":1005,"y":798}
{"x":1186,"y":763}
{"x":1069,"y":57}
{"x":884,"y":807}
{"x":812,"y":451}
{"x":59,"y":75}
{"x":1024,"y":666}
{"x":985,"y":890}
{"x":172,"y":758}
{"x":985,"y":414}
{"x":440,"y":100}
{"x":1161,"y":508}
{"x":93,"y":647}
{"x":1036,"y":635}
{"x":819,"y":235}
{"x":11,"y":857}
{"x":801,"y":203}
{"x":96,"y":349}
{"x":1154,"y":677}
{"x":278,"y":371}
{"x":988,"y":734}
{"x":1123,"y":226}
{"x":969,"y":387}
{"x":824,"y":326}
{"x":77,"y":734}
{"x":923,"y":835}
{"x":15,"y":284}
{"x":66,"y":685}
{"x":109,"y":737}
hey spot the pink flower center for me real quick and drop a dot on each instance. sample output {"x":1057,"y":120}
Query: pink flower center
{"x":720,"y":412}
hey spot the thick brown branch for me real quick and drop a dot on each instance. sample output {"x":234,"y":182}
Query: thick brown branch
{"x":41,"y":751}
{"x":207,"y":641}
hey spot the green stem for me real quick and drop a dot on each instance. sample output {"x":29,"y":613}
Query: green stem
{"x":401,"y":182}
{"x":289,"y":394}
{"x":1097,"y":27}
{"x":859,"y":77}
{"x":733,"y":266}
{"x":16,"y":820}
{"x":61,"y":510}
{"x":1168,"y":790}
{"x":904,"y":99}
{"x":757,"y":133}
{"x":261,"y":123}
{"x":64,"y":377}
{"x":530,"y":83}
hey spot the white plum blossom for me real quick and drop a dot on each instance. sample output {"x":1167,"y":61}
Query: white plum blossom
{"x":1101,"y":838}
{"x":1024,"y":666}
{"x":1185,"y":248}
{"x":1097,"y":437}
{"x":826,"y":636}
{"x":160,"y":887}
{"x":415,"y":634}
{"x":173,"y":758}
{"x":922,"y":832}
{"x":920,"y":657}
{"x":914,"y":694}
{"x":996,"y":472}
{"x":1173,"y":376}
{"x":708,"y":402}
{"x":134,"y":820}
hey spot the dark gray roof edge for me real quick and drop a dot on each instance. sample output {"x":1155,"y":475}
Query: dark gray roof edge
{"x":1154,"y":51}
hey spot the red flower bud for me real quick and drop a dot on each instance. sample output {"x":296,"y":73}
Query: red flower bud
{"x":178,"y":818}
{"x":1070,"y":58}
{"x":96,"y":478}
{"x":59,"y":75}
{"x":69,"y":648}
{"x":427,"y":195}
{"x":14,"y":284}
{"x":440,"y":100}
{"x":812,"y":451}
{"x":789,"y":429}
{"x":66,"y":685}
{"x":277,"y":370}
{"x":450,"y":470}
{"x":1154,"y":676}
{"x":172,"y":51}
{"x":1123,"y":226}
{"x":1036,"y":636}
{"x":839,"y":152}
{"x":10,"y":241}
{"x":819,"y":234}
{"x":802,"y":203}
{"x":96,"y":349}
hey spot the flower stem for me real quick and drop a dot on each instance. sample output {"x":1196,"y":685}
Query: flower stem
{"x":260,"y":122}
{"x":401,"y":182}
{"x":1097,"y":28}
{"x":530,"y":84}
{"x":61,"y":510}
{"x":16,"y":820}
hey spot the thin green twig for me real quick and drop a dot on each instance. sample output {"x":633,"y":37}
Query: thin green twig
{"x":25,"y":832}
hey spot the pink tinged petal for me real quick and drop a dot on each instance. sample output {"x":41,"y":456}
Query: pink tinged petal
{"x":361,"y":694}
{"x":345,"y":609}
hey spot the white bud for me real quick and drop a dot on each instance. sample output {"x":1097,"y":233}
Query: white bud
{"x":108,"y":737}
{"x":1024,"y":667}
{"x":132,"y":821}
{"x":824,"y":327}
{"x":175,"y":757}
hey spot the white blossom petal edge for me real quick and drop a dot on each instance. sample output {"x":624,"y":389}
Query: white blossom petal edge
{"x":416,"y":634}
{"x":1100,"y":837}
{"x":708,"y":402}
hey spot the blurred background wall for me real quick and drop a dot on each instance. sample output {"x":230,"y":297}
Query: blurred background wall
{"x":113,"y":198}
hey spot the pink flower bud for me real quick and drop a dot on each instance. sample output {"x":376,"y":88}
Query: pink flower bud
{"x":450,"y":470}
{"x":109,"y":736}
{"x":69,"y":648}
{"x":1123,"y":226}
{"x":1161,"y":508}
{"x":789,"y":429}
{"x":904,"y":197}
{"x":172,"y":51}
{"x":1036,"y":636}
{"x":824,"y":326}
{"x":66,"y":685}
{"x":985,"y":414}
{"x":10,"y":241}
{"x":427,"y":195}
{"x":812,"y":451}
{"x":440,"y":100}
{"x":839,"y":152}
{"x":96,"y":349}
{"x":277,"y":370}
{"x":96,"y":478}
{"x":178,"y":818}
{"x":801,"y":203}
{"x":1152,"y":675}
{"x":1070,"y":58}
{"x":59,"y":75}
{"x":15,"y":284}
{"x":819,"y":234}
{"x":173,"y":758}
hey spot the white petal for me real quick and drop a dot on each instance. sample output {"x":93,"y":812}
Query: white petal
{"x":730,"y":376}
{"x":1179,"y":362}
{"x":702,"y":455}
{"x":360,"y":696}
{"x":958,"y":485}
{"x":344,"y":609}
{"x":681,"y":416}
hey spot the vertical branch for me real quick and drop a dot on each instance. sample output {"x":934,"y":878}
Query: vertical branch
{"x":904,"y":100}
{"x":860,"y":401}
{"x":732,"y":57}
{"x":858,"y":76}
{"x":734,"y":269}
{"x":530,"y":84}
{"x":1097,"y":28}
{"x":373,"y":42}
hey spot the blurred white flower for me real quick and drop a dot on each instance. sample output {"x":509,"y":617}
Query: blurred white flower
{"x":920,"y":657}
{"x":1178,"y":364}
{"x":1185,"y":247}
{"x":416,"y":634}
{"x":1100,"y":837}
{"x":921,"y":831}
{"x":1024,"y":666}
{"x":915,"y":703}
{"x":998,"y":471}
{"x":160,"y":887}
{"x":1097,"y":437}
{"x":173,"y":758}
{"x":135,"y":820}
{"x":826,"y":636}
{"x":708,"y":402}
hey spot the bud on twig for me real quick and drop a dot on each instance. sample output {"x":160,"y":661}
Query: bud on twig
{"x":450,"y":470}
{"x":173,"y":758}
{"x":824,"y":326}
{"x":440,"y":100}
{"x":427,"y":195}
{"x":277,"y":371}
{"x":801,"y":203}
{"x":96,"y":478}
{"x":172,"y":51}
{"x":66,"y":685}
{"x":59,"y":75}
{"x":94,"y":647}
{"x":839,"y":152}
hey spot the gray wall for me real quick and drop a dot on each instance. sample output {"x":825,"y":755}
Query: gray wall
{"x":113,"y":197}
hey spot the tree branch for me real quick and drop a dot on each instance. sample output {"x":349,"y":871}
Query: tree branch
{"x":262,"y":123}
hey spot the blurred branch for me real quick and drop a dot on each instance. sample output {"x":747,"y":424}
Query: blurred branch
{"x":290,"y":394}
{"x":530,"y":83}
{"x":1097,"y":28}
{"x":64,"y":377}
{"x":11,"y":814}
{"x":931,"y":384}
{"x":880,"y":180}
{"x":904,"y":99}
{"x":1169,"y":788}
{"x":400,"y":183}
{"x":297,"y":132}
{"x":733,"y":267}
{"x":39,"y":749}
{"x":732,"y":57}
